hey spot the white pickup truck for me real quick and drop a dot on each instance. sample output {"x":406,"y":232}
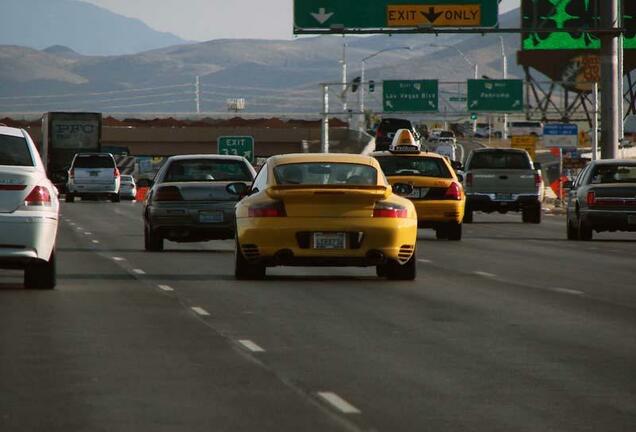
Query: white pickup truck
{"x":503,"y":180}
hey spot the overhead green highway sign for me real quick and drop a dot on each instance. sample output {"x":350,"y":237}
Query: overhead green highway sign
{"x":320,"y":16}
{"x":411,"y":96}
{"x":237,"y":146}
{"x":495,"y":95}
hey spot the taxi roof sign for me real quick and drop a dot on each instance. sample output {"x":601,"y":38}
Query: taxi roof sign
{"x":404,"y":142}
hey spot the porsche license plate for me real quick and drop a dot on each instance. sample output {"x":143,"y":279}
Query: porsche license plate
{"x":333,"y":240}
{"x":211,"y":217}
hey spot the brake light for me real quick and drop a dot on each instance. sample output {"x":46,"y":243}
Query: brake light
{"x":538,"y":180}
{"x":591,"y":198}
{"x":168,"y":193}
{"x":117,"y":173}
{"x":388,"y":210}
{"x":39,"y":196}
{"x":71,"y":173}
{"x":379,"y":134}
{"x":469,"y":179}
{"x":270,"y":209}
{"x":454,"y":192}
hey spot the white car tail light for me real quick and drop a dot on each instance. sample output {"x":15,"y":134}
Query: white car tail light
{"x":40,"y":196}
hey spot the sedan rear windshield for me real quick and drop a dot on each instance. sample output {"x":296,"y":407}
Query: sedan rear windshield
{"x":499,"y":160}
{"x":94,"y":162}
{"x":203,"y":170}
{"x":14,"y":151}
{"x":394,"y":125}
{"x":606,"y":174}
{"x":414,"y":166}
{"x":326,"y":173}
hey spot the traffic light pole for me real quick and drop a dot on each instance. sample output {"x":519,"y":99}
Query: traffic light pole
{"x":609,"y":81}
{"x":324,"y":135}
{"x":361,"y":123}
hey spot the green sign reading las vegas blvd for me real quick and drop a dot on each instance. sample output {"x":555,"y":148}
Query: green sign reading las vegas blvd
{"x":495,"y":95}
{"x":237,"y":146}
{"x":411,"y":96}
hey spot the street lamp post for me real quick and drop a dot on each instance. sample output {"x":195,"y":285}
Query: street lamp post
{"x":504,"y":61}
{"x":362,"y":79}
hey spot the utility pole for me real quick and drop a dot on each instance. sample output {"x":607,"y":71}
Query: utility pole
{"x":609,"y":80}
{"x":595,"y":124}
{"x":324,"y":135}
{"x":344,"y":76}
{"x":362,"y":118}
{"x":504,"y":60}
{"x":197,"y":94}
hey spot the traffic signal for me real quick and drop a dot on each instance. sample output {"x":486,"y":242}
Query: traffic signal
{"x":356,"y":84}
{"x":371,"y":86}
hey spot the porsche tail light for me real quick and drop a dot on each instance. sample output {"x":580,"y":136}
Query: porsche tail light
{"x":38,"y":197}
{"x":270,"y":209}
{"x":168,"y":193}
{"x":454,"y":192}
{"x":389,"y":210}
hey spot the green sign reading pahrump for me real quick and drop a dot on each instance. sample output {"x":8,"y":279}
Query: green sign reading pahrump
{"x":237,"y":146}
{"x":411,"y":96}
{"x":495,"y":95}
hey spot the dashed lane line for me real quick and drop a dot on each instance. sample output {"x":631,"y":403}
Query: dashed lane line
{"x":119,"y":259}
{"x":424,"y":261}
{"x":200,"y":311}
{"x":166,"y":288}
{"x":95,"y":241}
{"x":251,"y":346}
{"x":569,"y":291}
{"x":485,"y":274}
{"x":338,"y":403}
{"x":139,"y":271}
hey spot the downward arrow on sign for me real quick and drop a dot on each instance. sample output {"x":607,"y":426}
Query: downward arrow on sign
{"x":322,"y":16}
{"x":431,"y":15}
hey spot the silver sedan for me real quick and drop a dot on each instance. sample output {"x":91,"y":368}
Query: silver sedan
{"x":188,"y":200}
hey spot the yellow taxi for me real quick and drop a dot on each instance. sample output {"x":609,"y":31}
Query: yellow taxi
{"x":323,"y":210}
{"x":437,"y":193}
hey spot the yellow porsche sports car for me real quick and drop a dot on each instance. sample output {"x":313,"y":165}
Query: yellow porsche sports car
{"x":323,"y":210}
{"x":437,"y":193}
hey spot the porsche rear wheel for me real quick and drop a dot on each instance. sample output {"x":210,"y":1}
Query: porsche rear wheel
{"x":245,"y":270}
{"x":397,"y":271}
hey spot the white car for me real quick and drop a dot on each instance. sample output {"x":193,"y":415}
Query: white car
{"x":128,"y":188}
{"x":29,"y":210}
{"x":93,"y":175}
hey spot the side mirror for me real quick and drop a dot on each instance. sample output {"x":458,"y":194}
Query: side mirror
{"x":145,"y":183}
{"x":457,"y":165}
{"x":460,"y":177}
{"x":568,"y":184}
{"x":537,"y":165}
{"x":239,"y":189}
{"x":402,"y":189}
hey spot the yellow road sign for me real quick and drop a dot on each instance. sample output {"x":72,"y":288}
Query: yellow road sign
{"x":527,"y":143}
{"x":405,"y":15}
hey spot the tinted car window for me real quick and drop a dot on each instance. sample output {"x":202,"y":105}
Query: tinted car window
{"x":393,"y":125}
{"x":198,"y":170}
{"x":608,"y":174}
{"x":319,"y":173}
{"x":414,"y":166}
{"x":499,"y":160}
{"x":14,"y":151}
{"x":94,"y":162}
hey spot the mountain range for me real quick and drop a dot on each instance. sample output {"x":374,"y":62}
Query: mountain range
{"x":274,"y":76}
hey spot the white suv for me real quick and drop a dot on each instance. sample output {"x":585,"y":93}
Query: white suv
{"x":93,"y":175}
{"x":29,"y":210}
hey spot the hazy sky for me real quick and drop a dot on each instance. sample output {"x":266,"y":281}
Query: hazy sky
{"x":200,"y":20}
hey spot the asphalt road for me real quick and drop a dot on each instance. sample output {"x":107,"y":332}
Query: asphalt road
{"x":512,"y":329}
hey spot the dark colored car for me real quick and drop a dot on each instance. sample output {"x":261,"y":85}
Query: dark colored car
{"x":385,"y":132}
{"x":189,"y":202}
{"x":603,"y":198}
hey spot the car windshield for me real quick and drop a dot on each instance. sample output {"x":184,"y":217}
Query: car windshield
{"x":94,"y":162}
{"x":326,"y":173}
{"x":202,"y":170}
{"x":414,"y":166}
{"x":499,"y":160}
{"x":607,"y":174}
{"x":14,"y":151}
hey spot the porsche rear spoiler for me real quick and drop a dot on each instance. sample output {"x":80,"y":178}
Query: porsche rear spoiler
{"x":374,"y":192}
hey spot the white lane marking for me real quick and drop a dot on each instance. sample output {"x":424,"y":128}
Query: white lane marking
{"x":485,"y":274}
{"x":79,"y":228}
{"x":165,"y":288}
{"x":251,"y":345}
{"x":88,"y":233}
{"x":200,"y":311}
{"x":569,"y":291}
{"x":119,"y":259}
{"x":424,"y":261}
{"x":339,"y":403}
{"x":96,"y":241}
{"x":139,"y":271}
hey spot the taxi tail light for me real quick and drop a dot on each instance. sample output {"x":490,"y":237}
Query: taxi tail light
{"x":469,"y":179}
{"x":168,"y":193}
{"x":38,"y":197}
{"x":270,"y":209}
{"x":591,"y":198}
{"x":388,"y":210}
{"x":454,"y":192}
